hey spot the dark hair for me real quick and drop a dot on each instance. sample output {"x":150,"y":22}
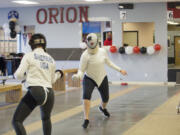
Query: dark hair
{"x":37,"y":40}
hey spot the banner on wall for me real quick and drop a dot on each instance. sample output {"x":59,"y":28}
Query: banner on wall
{"x":24,"y":38}
{"x":91,"y":27}
{"x":170,"y":15}
{"x":62,"y":14}
{"x":173,"y":10}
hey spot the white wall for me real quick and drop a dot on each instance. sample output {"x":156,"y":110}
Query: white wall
{"x":139,"y":67}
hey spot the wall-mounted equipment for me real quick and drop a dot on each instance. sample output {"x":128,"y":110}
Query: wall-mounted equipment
{"x":126,"y":6}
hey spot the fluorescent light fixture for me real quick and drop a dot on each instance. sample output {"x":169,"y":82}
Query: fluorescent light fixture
{"x":93,"y":0}
{"x":172,"y":23}
{"x":25,"y":2}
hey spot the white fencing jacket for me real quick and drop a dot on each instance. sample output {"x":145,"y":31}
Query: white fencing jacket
{"x":39,"y":67}
{"x":94,"y":65}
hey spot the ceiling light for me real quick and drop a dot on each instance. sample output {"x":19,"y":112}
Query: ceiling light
{"x":25,"y":2}
{"x":172,"y":23}
{"x":93,"y":0}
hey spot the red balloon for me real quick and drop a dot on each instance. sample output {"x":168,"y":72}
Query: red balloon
{"x":157,"y":47}
{"x":113,"y":49}
{"x":136,"y":49}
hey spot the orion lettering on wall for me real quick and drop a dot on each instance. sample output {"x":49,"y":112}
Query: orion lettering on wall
{"x":61,"y":15}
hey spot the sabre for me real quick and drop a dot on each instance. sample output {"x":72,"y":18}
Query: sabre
{"x":68,"y":59}
{"x":4,"y":79}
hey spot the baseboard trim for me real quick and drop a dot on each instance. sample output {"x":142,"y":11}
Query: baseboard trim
{"x":144,"y":83}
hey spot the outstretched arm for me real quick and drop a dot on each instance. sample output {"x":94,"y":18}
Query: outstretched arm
{"x":82,"y":67}
{"x":112,"y":65}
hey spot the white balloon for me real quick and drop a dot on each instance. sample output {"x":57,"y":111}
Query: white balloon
{"x":129,"y":50}
{"x":17,"y":29}
{"x":5,"y":26}
{"x":83,"y":45}
{"x":150,"y":50}
{"x":6,"y":33}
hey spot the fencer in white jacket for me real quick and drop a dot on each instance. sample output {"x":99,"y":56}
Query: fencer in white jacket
{"x":92,"y":64}
{"x":39,"y":69}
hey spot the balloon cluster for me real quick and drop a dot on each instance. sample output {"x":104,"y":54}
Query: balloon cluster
{"x":12,"y":28}
{"x":143,"y":50}
{"x":131,"y":50}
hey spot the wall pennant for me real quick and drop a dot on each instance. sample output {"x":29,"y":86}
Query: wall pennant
{"x":24,"y":38}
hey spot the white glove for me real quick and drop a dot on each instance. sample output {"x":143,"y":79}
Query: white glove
{"x":75,"y":77}
{"x":57,"y":75}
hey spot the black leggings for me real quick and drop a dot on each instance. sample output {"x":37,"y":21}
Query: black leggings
{"x":88,"y":87}
{"x":34,"y":97}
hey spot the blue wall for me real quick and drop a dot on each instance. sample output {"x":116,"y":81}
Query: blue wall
{"x":139,"y":67}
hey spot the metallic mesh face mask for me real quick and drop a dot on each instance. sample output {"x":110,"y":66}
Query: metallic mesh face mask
{"x":92,"y":41}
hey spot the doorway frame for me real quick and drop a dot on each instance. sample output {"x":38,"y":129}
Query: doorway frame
{"x":137,"y":33}
{"x":175,"y":49}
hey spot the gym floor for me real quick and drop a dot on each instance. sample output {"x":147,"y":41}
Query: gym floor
{"x":135,"y":110}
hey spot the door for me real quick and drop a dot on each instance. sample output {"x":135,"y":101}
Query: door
{"x":130,"y":38}
{"x":177,"y":51}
